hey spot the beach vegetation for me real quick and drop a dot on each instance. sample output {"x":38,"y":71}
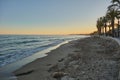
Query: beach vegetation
{"x":107,"y":25}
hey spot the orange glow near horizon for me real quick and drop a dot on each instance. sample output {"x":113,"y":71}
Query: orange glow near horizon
{"x":55,"y":30}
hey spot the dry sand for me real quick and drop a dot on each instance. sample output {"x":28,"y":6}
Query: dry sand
{"x":92,"y":58}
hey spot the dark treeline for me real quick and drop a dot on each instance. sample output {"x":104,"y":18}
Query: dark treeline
{"x":109,"y":24}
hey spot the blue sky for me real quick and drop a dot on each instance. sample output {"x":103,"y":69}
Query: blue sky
{"x":50,"y":16}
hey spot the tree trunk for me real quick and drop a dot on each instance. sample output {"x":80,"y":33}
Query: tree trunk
{"x":109,"y":29}
{"x":118,"y":28}
{"x":99,"y":30}
{"x":113,"y":29}
{"x":102,"y":30}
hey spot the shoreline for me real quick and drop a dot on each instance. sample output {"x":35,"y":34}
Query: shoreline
{"x":43,"y":61}
{"x":89,"y":58}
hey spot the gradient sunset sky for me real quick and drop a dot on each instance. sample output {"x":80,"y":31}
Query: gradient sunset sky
{"x":50,"y":16}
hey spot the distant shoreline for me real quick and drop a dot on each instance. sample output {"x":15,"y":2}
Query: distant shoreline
{"x":79,"y":34}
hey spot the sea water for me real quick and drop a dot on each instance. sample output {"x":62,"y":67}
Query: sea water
{"x":17,"y":47}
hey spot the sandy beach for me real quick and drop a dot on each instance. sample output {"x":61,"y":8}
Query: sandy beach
{"x":93,"y":58}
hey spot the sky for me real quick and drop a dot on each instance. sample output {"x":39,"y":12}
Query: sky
{"x":50,"y":16}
